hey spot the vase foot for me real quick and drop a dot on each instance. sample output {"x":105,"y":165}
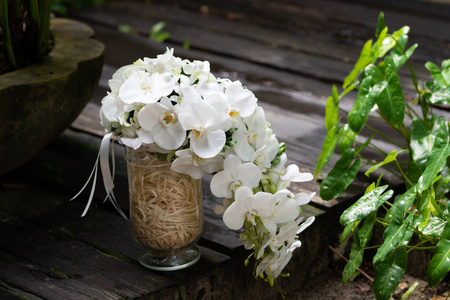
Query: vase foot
{"x":170,"y":263}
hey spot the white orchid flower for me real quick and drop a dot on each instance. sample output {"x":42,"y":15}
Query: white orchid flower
{"x":134,"y":143}
{"x":293,"y":174}
{"x":283,"y":208}
{"x":303,"y":198}
{"x":274,"y":264}
{"x":270,"y":208}
{"x":234,"y":175}
{"x":278,"y":170}
{"x":142,"y":87}
{"x":248,"y":132}
{"x":198,"y":71}
{"x":163,"y":63}
{"x":188,"y":162}
{"x":120,"y":76}
{"x":109,"y":112}
{"x":159,"y":123}
{"x":188,"y":94}
{"x":241,"y":101}
{"x":287,"y":235}
{"x":247,"y":206}
{"x":207,"y":128}
{"x":263,"y":156}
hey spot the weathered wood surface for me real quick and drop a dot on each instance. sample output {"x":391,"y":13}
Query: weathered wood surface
{"x":289,"y":53}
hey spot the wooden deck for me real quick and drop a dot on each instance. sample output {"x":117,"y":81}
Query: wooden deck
{"x":289,"y":53}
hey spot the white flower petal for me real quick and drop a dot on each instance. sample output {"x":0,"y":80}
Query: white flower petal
{"x":208,"y":144}
{"x":220,"y":184}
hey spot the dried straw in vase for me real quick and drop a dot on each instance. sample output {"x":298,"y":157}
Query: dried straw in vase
{"x":165,"y":206}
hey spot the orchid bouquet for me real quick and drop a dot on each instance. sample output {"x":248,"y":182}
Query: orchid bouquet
{"x":205,"y":125}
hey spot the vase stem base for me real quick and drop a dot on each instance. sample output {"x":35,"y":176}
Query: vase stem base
{"x":170,"y":263}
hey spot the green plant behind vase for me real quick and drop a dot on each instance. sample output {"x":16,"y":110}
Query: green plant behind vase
{"x":421,"y":161}
{"x":24,"y":33}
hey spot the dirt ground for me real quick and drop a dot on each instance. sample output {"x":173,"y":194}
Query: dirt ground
{"x":329,"y":286}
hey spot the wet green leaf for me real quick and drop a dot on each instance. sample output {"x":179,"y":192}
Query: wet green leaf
{"x":440,"y":263}
{"x":363,"y":105}
{"x":388,"y":274}
{"x":421,"y":142}
{"x":374,"y":72}
{"x":329,"y":145}
{"x":437,"y":159}
{"x":347,"y":139}
{"x":331,"y":113}
{"x":340,"y":176}
{"x":393,"y":237}
{"x":436,"y":73}
{"x":360,"y":239}
{"x":388,"y":159}
{"x":389,"y":96}
{"x":349,"y":228}
{"x":380,"y":24}
{"x":367,"y":204}
{"x":364,"y":59}
{"x":434,"y":227}
{"x":441,"y":96}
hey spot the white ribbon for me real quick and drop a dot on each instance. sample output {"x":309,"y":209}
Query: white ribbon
{"x":108,"y":180}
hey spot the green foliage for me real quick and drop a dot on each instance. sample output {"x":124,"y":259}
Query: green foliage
{"x":23,"y":48}
{"x":157,"y":34}
{"x":423,"y":208}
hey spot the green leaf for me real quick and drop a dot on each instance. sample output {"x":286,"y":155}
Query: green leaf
{"x":349,"y":228}
{"x":360,"y":239}
{"x":125,"y":28}
{"x":156,"y":33}
{"x":436,"y":73}
{"x":393,"y":236}
{"x":402,"y":204}
{"x":441,"y":96}
{"x":388,"y":159}
{"x":374,"y":72}
{"x":331,"y":113}
{"x":327,"y":148}
{"x":437,"y":159}
{"x":380,"y":25}
{"x":381,"y":46}
{"x":446,"y":70}
{"x":363,"y":105}
{"x":340,"y":176}
{"x":389,"y":96}
{"x":6,"y":31}
{"x":440,"y":263}
{"x":434,"y":227}
{"x":399,"y":58}
{"x":389,"y":274}
{"x":364,"y":59}
{"x":367,"y":204}
{"x":421,"y":142}
{"x":347,"y":139}
{"x":443,"y":185}
{"x":391,"y":41}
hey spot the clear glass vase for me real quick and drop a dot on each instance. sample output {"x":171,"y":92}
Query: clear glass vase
{"x":166,"y":212}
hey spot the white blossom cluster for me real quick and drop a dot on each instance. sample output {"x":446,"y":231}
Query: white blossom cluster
{"x":209,"y":125}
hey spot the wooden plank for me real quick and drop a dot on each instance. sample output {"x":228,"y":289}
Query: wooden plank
{"x":73,"y":257}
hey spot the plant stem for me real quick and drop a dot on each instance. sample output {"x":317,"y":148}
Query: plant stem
{"x":403,"y":174}
{"x":4,"y":24}
{"x":383,"y":135}
{"x":344,"y":258}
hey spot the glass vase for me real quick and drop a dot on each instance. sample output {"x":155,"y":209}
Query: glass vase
{"x":166,"y":212}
